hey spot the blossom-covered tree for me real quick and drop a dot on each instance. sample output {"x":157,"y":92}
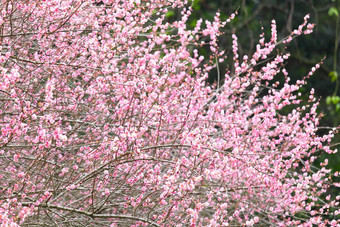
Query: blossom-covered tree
{"x":106,"y":120}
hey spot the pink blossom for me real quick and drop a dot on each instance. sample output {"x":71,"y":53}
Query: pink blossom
{"x":107,"y":118}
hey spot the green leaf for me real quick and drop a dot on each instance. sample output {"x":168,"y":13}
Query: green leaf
{"x":193,"y":23}
{"x":333,"y":11}
{"x":333,"y":75}
{"x":333,"y":79}
{"x":195,"y":5}
{"x":335,"y":99}
{"x":328,"y":100}
{"x":337,"y":107}
{"x":170,"y":14}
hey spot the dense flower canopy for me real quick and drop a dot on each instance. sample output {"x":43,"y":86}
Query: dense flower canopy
{"x":106,"y":119}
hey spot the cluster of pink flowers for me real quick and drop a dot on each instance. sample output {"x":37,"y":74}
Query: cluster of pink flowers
{"x":106,"y":119}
